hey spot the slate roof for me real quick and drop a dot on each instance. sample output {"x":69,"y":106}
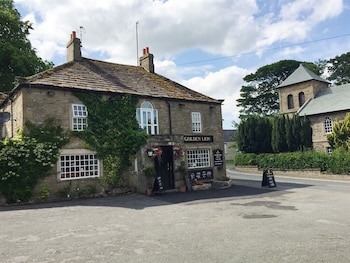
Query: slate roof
{"x":331,"y":99}
{"x":95,"y":75}
{"x":228,"y":135}
{"x":301,"y":74}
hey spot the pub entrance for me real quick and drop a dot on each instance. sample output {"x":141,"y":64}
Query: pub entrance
{"x":164,"y":165}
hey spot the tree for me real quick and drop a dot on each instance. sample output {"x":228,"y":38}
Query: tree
{"x":260,"y":96}
{"x":339,"y":69}
{"x":254,"y":135}
{"x":17,"y":56}
{"x":340,"y":136}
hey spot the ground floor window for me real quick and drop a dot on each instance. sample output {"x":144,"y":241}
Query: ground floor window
{"x":329,"y":150}
{"x":199,"y":158}
{"x":78,"y":166}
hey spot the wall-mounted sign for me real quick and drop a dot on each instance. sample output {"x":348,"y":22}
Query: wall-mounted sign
{"x":218,"y":157}
{"x":198,"y":138}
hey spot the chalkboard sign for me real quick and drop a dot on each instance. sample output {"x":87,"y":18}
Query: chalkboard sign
{"x":201,"y":175}
{"x":188,"y":182}
{"x":159,"y":183}
{"x":268,"y":179}
{"x":218,"y":158}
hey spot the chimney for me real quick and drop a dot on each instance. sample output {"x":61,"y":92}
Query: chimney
{"x":73,"y":48}
{"x":146,"y":61}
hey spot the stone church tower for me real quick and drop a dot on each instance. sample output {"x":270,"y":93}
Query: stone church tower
{"x":300,"y":87}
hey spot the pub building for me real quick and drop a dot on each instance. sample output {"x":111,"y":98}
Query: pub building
{"x":184,"y":126}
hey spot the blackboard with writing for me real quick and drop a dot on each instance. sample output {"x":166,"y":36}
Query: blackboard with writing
{"x":268,"y":179}
{"x":201,"y":175}
{"x":218,"y":157}
{"x":159,"y":184}
{"x":188,"y":182}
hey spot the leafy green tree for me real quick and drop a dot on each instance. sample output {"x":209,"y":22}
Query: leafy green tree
{"x":17,"y":57}
{"x":339,"y":69}
{"x":260,"y":96}
{"x":340,"y":136}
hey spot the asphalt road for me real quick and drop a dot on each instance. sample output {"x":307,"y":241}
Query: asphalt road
{"x":301,"y":220}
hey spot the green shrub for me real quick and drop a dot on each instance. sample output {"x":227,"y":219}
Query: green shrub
{"x":27,"y":158}
{"x":337,"y":163}
{"x":245,"y":159}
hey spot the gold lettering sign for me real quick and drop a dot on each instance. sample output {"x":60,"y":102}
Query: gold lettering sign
{"x":198,"y":138}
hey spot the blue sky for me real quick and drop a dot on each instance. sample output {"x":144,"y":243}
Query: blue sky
{"x":207,"y":45}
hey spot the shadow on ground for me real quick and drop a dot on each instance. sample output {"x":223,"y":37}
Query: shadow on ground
{"x":240,"y":189}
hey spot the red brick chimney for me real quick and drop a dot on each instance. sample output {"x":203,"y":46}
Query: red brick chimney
{"x":74,"y":48}
{"x":146,"y":61}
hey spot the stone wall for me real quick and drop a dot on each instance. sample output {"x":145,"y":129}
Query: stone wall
{"x":319,"y":137}
{"x":310,"y":88}
{"x":38,"y":104}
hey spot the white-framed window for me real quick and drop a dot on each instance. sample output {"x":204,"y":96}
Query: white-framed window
{"x":198,"y":158}
{"x":196,"y":122}
{"x":78,"y":166}
{"x":329,"y":150}
{"x":328,"y":125}
{"x":79,"y":117}
{"x":147,"y":118}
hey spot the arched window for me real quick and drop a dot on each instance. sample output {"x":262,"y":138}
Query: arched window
{"x":301,"y":99}
{"x":290,"y":101}
{"x":327,"y":125}
{"x":147,"y":118}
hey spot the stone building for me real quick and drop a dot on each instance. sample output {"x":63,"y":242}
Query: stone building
{"x":184,"y":126}
{"x":307,"y":94}
{"x":230,"y":147}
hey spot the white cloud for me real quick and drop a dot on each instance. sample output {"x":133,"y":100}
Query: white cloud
{"x":173,"y":28}
{"x":223,"y":84}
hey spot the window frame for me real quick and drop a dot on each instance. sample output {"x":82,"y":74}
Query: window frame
{"x":301,"y":98}
{"x":148,"y":112}
{"x":290,"y":101}
{"x":79,"y":117}
{"x":78,"y":165}
{"x":328,"y":125}
{"x":196,"y":122}
{"x":200,"y":157}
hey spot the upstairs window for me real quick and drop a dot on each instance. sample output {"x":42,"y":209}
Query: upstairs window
{"x":301,"y":99}
{"x":290,"y":101}
{"x":196,"y":122}
{"x":328,"y":125}
{"x":147,"y":118}
{"x":79,"y":117}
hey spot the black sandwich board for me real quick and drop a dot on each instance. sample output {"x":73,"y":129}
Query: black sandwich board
{"x":159,"y":184}
{"x":188,"y":182}
{"x":268,"y":179}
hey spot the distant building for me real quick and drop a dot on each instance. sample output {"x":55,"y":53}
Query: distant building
{"x":307,"y":94}
{"x":229,"y":146}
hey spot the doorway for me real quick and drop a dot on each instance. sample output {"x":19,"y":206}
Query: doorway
{"x":164,"y":165}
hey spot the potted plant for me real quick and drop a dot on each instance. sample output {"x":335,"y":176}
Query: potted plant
{"x":150,"y":173}
{"x":182,"y":171}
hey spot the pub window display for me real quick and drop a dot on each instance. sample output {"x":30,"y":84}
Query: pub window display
{"x":199,"y":158}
